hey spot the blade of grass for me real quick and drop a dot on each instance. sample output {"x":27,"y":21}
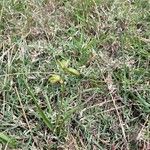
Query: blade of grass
{"x":40,"y":111}
{"x":7,"y":140}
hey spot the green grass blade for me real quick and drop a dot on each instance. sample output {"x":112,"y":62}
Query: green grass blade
{"x":5,"y":139}
{"x":40,"y":111}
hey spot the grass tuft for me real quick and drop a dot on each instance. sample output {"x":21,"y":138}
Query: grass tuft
{"x":74,"y":74}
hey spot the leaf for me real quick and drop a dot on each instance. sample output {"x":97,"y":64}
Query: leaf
{"x":55,"y":79}
{"x":41,"y":114}
{"x":72,"y":71}
{"x":7,"y":140}
{"x":63,"y":64}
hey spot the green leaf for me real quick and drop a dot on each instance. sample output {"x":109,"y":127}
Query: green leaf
{"x":7,"y":140}
{"x":72,"y":71}
{"x":63,"y":64}
{"x":42,"y":115}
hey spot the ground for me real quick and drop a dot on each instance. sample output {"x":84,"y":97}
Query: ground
{"x":105,"y":106}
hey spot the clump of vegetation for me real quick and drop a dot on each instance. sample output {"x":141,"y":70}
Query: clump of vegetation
{"x":74,"y":74}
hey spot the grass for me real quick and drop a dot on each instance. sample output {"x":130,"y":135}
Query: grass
{"x":107,"y":107}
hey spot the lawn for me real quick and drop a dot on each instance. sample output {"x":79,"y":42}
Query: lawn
{"x":75,"y":74}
